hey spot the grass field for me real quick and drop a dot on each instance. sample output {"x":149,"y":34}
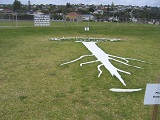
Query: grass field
{"x":33,"y":85}
{"x":30,"y":23}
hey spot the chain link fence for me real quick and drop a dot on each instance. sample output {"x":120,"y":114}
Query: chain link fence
{"x":25,"y":20}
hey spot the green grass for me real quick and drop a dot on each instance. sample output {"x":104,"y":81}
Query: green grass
{"x":33,"y":85}
{"x":25,"y":23}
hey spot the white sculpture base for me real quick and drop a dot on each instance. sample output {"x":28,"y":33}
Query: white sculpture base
{"x":124,"y":90}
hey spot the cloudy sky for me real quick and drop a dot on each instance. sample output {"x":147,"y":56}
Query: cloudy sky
{"x":97,"y":2}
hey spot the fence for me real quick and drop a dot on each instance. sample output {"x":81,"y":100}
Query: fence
{"x":24,"y":20}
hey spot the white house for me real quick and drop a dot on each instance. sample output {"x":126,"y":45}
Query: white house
{"x":87,"y":17}
{"x":98,"y":12}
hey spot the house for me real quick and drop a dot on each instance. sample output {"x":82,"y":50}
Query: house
{"x":113,"y":19}
{"x":29,"y":12}
{"x":6,"y":11}
{"x":88,"y":17}
{"x":72,"y":16}
{"x":38,"y":12}
{"x":98,"y":12}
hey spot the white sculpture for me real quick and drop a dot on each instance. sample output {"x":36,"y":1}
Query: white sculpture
{"x":104,"y":59}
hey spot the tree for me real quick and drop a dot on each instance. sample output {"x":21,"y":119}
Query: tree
{"x":17,"y":6}
{"x":69,"y":8}
{"x":108,"y":7}
{"x":112,"y":6}
{"x":91,"y":9}
{"x":68,"y":5}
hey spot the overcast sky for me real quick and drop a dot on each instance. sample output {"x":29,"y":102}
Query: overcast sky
{"x":97,"y":2}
